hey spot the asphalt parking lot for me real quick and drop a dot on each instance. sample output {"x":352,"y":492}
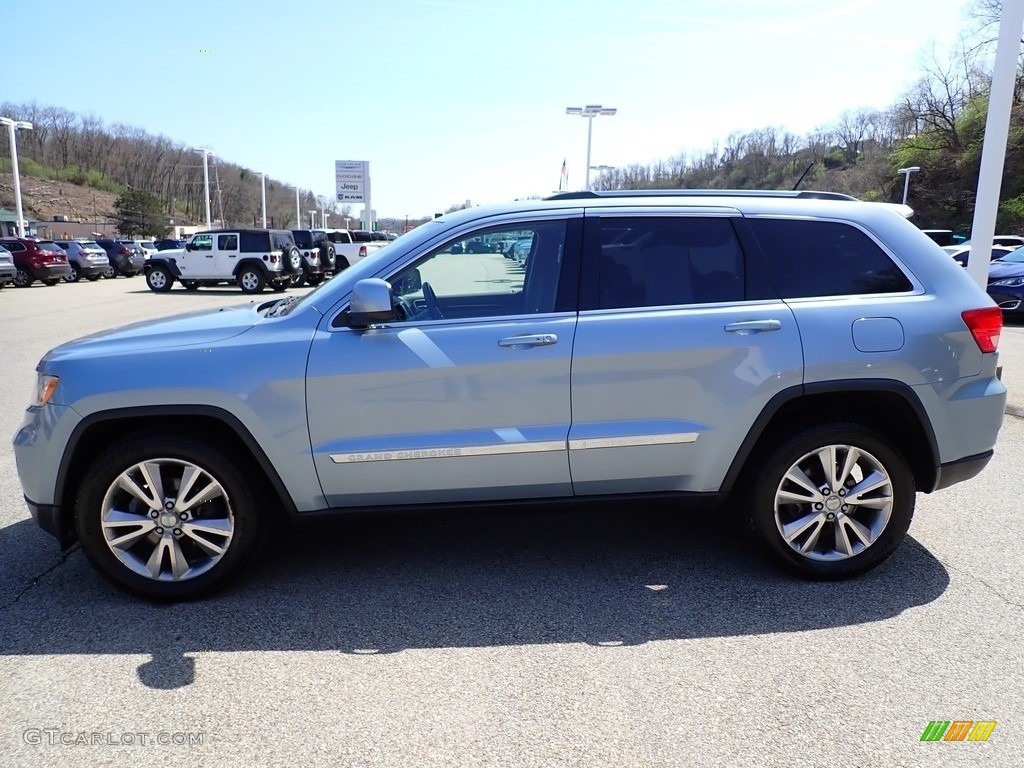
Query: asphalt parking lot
{"x":617,"y":636}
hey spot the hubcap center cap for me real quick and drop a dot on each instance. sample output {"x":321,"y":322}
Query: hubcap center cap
{"x":167,"y":520}
{"x":832,"y":503}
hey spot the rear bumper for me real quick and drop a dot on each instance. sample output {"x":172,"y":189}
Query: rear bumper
{"x":51,"y":271}
{"x":89,"y":269}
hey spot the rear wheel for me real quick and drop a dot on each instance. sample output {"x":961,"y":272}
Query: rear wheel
{"x":110,"y":272}
{"x":315,"y":279}
{"x":23,"y":278}
{"x":169,"y":517}
{"x":75,"y":276}
{"x":250,"y":280}
{"x":159,"y":279}
{"x":279,"y":287}
{"x":831,"y":502}
{"x":93,"y":278}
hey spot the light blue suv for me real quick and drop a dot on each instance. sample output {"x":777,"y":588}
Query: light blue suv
{"x":813,"y":362}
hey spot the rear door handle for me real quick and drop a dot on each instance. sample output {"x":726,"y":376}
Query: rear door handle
{"x":532,"y":340}
{"x":747,"y":327}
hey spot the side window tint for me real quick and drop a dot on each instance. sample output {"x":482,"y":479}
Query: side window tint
{"x":227,"y":242}
{"x":825,"y":258}
{"x":511,"y":270}
{"x":202,"y":243}
{"x":668,"y":261}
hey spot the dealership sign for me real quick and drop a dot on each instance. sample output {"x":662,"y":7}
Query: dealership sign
{"x":351,"y":180}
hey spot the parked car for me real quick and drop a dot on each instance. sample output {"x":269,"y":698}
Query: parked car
{"x":1006,"y":282}
{"x":125,"y":259}
{"x":961,"y":253}
{"x":148,"y":247}
{"x":318,"y":256}
{"x":169,"y":244}
{"x":85,"y":258}
{"x":348,"y":250}
{"x":520,"y":250}
{"x":36,"y":259}
{"x":249,"y":258}
{"x":808,"y":361}
{"x":7,"y":268}
{"x":1012,"y":241}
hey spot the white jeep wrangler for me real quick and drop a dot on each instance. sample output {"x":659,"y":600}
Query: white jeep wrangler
{"x":252,"y":258}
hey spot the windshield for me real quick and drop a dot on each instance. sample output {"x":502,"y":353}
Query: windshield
{"x":1014,"y":257}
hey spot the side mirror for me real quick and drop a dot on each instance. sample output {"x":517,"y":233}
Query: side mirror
{"x":370,"y":303}
{"x":188,"y":246}
{"x":411,"y":283}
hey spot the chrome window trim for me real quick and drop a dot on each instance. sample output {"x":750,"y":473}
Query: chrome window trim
{"x":634,"y":441}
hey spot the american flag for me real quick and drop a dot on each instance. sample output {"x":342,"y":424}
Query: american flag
{"x":563,"y":181}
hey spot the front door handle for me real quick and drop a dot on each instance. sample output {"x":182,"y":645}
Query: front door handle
{"x":532,"y":340}
{"x":747,"y":327}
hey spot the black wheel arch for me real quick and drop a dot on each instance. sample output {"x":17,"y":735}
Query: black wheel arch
{"x":170,"y":264}
{"x":97,"y":431}
{"x":890,"y":407}
{"x":268,"y":274}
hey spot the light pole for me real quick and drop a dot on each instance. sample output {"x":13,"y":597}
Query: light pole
{"x":906,"y":180}
{"x":324,"y":217}
{"x":311,"y":219}
{"x":298,"y":213}
{"x":590,"y":112}
{"x":263,"y":185}
{"x":12,"y":126}
{"x":207,"y":154}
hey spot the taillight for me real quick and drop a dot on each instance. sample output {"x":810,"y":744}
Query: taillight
{"x":985,"y":326}
{"x":362,"y":251}
{"x":125,"y":250}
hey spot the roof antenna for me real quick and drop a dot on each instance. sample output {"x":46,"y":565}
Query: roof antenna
{"x":802,"y":176}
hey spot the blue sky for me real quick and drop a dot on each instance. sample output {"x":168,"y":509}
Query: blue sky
{"x":455,"y":100}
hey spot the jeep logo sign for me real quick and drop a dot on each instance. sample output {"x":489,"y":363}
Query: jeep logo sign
{"x":351,"y":178}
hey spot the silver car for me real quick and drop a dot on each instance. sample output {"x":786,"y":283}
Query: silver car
{"x":86,"y":258}
{"x":815,"y":362}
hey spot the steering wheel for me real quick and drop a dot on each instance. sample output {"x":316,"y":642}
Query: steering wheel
{"x":433,"y":308}
{"x":405,"y":311}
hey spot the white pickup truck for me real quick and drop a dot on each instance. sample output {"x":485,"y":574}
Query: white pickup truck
{"x":348,"y":250}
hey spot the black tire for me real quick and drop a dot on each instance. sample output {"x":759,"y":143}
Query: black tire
{"x":75,"y":275}
{"x":279,"y":287}
{"x":239,"y":507}
{"x":159,"y":279}
{"x":110,"y":272}
{"x":24,"y":278}
{"x":315,"y":279}
{"x":832,"y":522}
{"x":190,"y":285}
{"x":298,"y":279}
{"x":93,"y":278}
{"x":340,"y":265}
{"x":250,"y":279}
{"x":292,"y":260}
{"x":51,"y":281}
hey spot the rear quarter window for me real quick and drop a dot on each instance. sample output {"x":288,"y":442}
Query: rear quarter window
{"x":825,"y":258}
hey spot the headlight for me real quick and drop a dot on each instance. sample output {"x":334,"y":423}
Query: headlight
{"x":1009,"y":281}
{"x":46,"y":385}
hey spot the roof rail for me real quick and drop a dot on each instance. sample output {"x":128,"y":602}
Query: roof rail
{"x":801,"y":195}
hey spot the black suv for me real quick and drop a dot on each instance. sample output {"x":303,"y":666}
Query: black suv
{"x":125,"y":259}
{"x":310,"y":241}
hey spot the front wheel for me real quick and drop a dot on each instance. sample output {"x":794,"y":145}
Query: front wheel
{"x":110,"y":272}
{"x":159,"y":279}
{"x":75,"y":275}
{"x":169,"y":517}
{"x":831,"y":502}
{"x":250,"y":280}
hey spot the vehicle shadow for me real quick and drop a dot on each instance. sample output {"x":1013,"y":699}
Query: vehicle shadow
{"x":609,"y":577}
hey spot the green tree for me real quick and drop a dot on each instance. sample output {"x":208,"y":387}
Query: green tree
{"x":138,"y":212}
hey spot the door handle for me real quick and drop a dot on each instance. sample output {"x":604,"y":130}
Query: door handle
{"x":747,"y":327}
{"x":531,"y":340}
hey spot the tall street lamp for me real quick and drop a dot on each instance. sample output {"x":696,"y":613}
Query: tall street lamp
{"x":311,"y":219}
{"x":590,"y":112}
{"x":207,"y":154}
{"x":263,"y":185}
{"x":324,"y":216}
{"x":12,"y":126}
{"x":906,"y":180}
